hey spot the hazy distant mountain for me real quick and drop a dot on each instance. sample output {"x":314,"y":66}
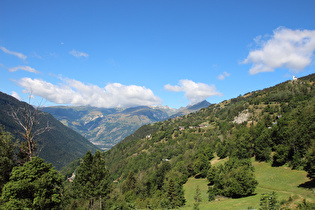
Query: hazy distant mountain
{"x":59,"y":146}
{"x":106,"y":127}
{"x":198,"y":106}
{"x":191,"y":108}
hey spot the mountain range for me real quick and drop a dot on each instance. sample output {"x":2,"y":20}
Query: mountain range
{"x":105,"y":127}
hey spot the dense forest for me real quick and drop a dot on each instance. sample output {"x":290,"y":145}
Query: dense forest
{"x":148,"y":169}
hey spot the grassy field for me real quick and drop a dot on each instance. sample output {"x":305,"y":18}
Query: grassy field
{"x":284,"y":181}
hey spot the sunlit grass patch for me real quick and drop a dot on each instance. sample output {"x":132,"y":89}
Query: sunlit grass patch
{"x":284,"y":181}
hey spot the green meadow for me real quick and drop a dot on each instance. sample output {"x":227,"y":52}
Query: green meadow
{"x":291,"y":186}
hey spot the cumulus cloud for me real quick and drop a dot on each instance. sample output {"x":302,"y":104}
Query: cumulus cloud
{"x":194,"y":92}
{"x":15,"y":95}
{"x":286,"y":48}
{"x":74,"y":92}
{"x":223,"y":75}
{"x":23,"y":68}
{"x":78,"y":54}
{"x":17,"y":54}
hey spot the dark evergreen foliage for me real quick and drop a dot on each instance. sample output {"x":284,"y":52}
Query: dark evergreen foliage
{"x":6,"y":156}
{"x":269,"y":201}
{"x":92,"y":181}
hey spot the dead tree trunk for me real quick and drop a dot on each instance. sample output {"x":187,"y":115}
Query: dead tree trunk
{"x":27,"y":118}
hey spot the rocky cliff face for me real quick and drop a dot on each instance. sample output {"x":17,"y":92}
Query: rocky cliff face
{"x":242,"y":117}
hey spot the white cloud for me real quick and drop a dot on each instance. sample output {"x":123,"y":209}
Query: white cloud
{"x":24,"y":68}
{"x":194,"y":92}
{"x":78,"y":54}
{"x":287,"y":48}
{"x":223,"y":75}
{"x":74,"y":92}
{"x":15,"y":95}
{"x":17,"y":54}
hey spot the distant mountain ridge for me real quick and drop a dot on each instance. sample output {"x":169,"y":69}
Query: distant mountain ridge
{"x":106,"y":127}
{"x":59,"y":146}
{"x":191,"y":108}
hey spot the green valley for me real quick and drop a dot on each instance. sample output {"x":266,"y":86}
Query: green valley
{"x":255,"y":151}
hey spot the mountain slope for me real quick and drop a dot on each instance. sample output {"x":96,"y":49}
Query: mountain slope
{"x":221,"y":143}
{"x":275,"y":124}
{"x":106,"y":127}
{"x":59,"y":146}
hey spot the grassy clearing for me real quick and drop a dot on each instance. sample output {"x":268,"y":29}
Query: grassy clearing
{"x":284,"y":181}
{"x":190,"y":192}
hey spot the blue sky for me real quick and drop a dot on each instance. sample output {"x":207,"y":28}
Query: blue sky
{"x":157,"y":52}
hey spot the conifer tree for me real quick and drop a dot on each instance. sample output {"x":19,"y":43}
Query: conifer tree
{"x":130,"y":183}
{"x":197,"y":198}
{"x":92,"y":179}
{"x":268,"y":201}
{"x":174,"y":194}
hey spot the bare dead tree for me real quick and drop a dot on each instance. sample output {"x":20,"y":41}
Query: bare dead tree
{"x":27,"y":118}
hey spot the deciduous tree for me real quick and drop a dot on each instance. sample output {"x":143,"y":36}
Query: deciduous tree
{"x":235,"y":178}
{"x":35,"y":185}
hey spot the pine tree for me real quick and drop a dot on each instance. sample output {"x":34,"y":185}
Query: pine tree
{"x":197,"y":198}
{"x":130,"y":183}
{"x":268,"y":201}
{"x":174,"y":194}
{"x":92,"y":181}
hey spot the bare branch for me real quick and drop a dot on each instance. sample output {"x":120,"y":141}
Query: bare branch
{"x":28,"y":118}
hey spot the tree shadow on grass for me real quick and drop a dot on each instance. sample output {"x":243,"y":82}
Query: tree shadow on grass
{"x":309,"y":185}
{"x":238,"y":197}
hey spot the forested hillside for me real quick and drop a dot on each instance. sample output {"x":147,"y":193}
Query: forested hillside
{"x":59,"y":145}
{"x":276,"y":124}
